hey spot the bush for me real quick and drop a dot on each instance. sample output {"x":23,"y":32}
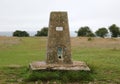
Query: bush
{"x":42,"y":32}
{"x":102,"y":32}
{"x":19,"y":33}
{"x":114,"y":30}
{"x":90,"y":39}
{"x":85,"y":31}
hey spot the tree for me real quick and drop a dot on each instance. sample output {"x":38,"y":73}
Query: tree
{"x":42,"y":32}
{"x":85,"y":31}
{"x":114,"y":30}
{"x":19,"y":33}
{"x":102,"y":32}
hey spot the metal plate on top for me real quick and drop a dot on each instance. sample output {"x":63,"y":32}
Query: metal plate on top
{"x":59,"y":28}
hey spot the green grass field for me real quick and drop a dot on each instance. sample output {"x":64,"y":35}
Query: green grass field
{"x":101,"y":55}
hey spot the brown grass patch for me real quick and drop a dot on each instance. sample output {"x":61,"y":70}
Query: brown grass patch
{"x":83,"y":42}
{"x":8,"y":41}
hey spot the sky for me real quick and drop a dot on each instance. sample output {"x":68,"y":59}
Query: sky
{"x":32,"y":15}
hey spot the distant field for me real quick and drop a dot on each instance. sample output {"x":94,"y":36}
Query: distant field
{"x":102,"y":56}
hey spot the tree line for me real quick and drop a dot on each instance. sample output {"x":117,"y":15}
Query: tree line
{"x":85,"y":31}
{"x":113,"y":30}
{"x":42,"y":32}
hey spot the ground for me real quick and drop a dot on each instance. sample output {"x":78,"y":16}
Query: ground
{"x":101,"y":54}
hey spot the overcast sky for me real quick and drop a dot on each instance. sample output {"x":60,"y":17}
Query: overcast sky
{"x":32,"y":15}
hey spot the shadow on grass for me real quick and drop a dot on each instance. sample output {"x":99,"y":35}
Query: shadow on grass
{"x":24,"y":75}
{"x":63,"y":76}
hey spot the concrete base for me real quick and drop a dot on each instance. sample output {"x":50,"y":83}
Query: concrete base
{"x":77,"y":65}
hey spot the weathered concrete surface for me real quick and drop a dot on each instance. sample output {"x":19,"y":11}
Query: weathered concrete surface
{"x":77,"y":65}
{"x":58,"y":45}
{"x":58,"y":55}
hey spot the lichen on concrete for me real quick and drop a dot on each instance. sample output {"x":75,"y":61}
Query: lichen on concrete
{"x":58,"y":39}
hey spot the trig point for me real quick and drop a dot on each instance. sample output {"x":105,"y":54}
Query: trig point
{"x":58,"y":54}
{"x":58,"y":46}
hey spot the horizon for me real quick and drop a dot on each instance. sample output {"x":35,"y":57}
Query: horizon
{"x":31,"y":33}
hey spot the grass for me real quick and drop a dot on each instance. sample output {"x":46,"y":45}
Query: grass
{"x":63,"y":76}
{"x":102,"y":56}
{"x":26,"y":51}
